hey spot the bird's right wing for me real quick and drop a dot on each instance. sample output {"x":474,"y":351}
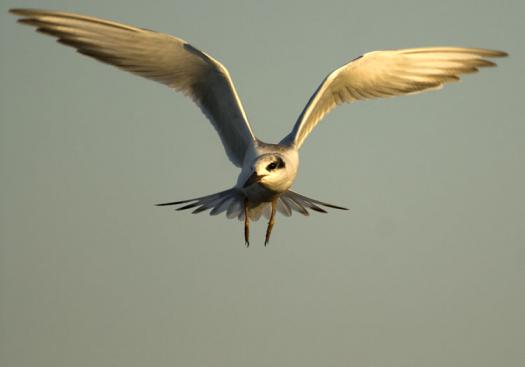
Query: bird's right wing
{"x":382,"y":74}
{"x":160,"y":57}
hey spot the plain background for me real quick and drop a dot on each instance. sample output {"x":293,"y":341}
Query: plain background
{"x":427,"y":269}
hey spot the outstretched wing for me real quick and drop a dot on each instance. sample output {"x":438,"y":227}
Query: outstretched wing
{"x":388,"y":73}
{"x":160,"y":57}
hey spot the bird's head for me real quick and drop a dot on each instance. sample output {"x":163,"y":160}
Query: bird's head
{"x":270,"y":170}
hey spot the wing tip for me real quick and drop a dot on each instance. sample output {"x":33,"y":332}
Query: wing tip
{"x":17,"y":11}
{"x":27,"y":11}
{"x":498,"y":53}
{"x":484,"y":52}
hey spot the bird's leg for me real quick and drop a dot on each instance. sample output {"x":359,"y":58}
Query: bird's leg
{"x":271,"y":222}
{"x":246,"y":224}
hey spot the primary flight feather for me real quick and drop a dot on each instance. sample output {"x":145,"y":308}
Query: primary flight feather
{"x":267,"y":170}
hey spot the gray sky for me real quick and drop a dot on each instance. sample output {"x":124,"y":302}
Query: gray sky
{"x":425,"y":270}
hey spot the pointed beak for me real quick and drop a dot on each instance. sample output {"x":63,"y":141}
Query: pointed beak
{"x":254,"y":178}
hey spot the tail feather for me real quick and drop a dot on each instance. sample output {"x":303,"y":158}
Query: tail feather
{"x":207,"y":203}
{"x":221,"y":206}
{"x":215,"y":202}
{"x":306,"y":204}
{"x":283,"y":207}
{"x":300,"y":203}
{"x":234,"y":209}
{"x":232,"y":202}
{"x":189,"y":200}
{"x":293,"y":204}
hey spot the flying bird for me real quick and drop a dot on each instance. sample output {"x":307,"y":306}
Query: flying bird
{"x":267,"y":170}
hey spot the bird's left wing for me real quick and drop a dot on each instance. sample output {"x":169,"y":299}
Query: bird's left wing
{"x":382,"y":74}
{"x":160,"y":57}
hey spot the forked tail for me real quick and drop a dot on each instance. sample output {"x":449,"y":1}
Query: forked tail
{"x":232,"y":202}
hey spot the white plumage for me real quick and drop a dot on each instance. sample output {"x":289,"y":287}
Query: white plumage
{"x":267,"y":170}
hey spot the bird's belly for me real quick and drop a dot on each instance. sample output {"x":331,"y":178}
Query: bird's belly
{"x":258,"y":193}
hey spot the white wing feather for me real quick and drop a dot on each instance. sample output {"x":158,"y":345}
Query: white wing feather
{"x":160,"y":57}
{"x":381,"y":74}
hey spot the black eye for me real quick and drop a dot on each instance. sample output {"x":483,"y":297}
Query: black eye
{"x":271,"y":166}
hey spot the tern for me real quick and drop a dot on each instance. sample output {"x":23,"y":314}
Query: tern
{"x":268,"y":171}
